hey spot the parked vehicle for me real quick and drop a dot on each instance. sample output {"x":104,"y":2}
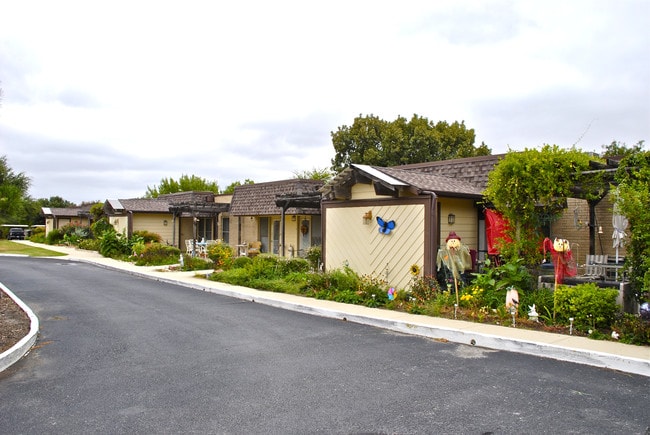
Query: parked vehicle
{"x":16,"y":234}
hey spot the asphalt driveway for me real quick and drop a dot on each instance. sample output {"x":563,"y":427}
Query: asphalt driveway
{"x":123,"y":354}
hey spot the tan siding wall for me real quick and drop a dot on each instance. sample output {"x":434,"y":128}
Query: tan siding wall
{"x":351,"y":242}
{"x":466,"y":221}
{"x":363,"y":191}
{"x":120,"y":223}
{"x":155,"y":224}
{"x":49,"y":225}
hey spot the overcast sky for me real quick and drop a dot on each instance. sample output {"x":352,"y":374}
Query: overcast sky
{"x":102,"y":99}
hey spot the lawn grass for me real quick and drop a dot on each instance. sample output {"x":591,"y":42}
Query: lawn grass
{"x":9,"y":247}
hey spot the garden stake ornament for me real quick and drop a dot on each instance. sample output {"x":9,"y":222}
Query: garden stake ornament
{"x":456,"y":257}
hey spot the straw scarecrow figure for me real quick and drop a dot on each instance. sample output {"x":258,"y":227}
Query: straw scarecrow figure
{"x":455,"y":257}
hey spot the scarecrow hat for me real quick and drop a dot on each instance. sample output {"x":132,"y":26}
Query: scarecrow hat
{"x":452,"y":235}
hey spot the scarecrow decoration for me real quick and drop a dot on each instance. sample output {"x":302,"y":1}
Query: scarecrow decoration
{"x":456,"y":257}
{"x":563,"y":263}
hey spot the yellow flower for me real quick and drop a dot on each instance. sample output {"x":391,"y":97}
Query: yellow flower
{"x":415,"y":270}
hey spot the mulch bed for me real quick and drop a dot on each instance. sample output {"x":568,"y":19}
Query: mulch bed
{"x":14,"y":323}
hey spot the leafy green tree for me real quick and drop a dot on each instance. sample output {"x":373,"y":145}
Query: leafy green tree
{"x":530,"y":188}
{"x":323,"y":174}
{"x":620,"y":149}
{"x":632,"y":197}
{"x":55,"y":201}
{"x":185,"y":183}
{"x":373,"y":141}
{"x":230,"y":189}
{"x":13,"y":193}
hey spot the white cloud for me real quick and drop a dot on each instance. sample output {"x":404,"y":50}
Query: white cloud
{"x":104,"y":100}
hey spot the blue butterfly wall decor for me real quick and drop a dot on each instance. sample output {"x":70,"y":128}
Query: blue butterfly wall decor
{"x":385,"y":227}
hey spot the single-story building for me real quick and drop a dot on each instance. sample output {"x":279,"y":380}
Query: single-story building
{"x":427,"y":201}
{"x":175,"y":217}
{"x":59,"y":217}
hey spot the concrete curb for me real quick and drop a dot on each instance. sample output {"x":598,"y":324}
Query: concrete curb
{"x":22,"y":348}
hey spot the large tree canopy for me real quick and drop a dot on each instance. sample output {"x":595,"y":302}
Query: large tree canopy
{"x":13,"y":193}
{"x":186,"y":183}
{"x":373,"y":141}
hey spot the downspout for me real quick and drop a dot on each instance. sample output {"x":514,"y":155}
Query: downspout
{"x":431,"y":245}
{"x":283,"y":227}
{"x":129,"y":226}
{"x":174,"y":230}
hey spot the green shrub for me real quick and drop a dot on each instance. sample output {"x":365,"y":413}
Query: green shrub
{"x":590,"y":307}
{"x":196,"y":263}
{"x":424,"y":288}
{"x":148,"y":236}
{"x":114,"y":245}
{"x":73,"y":234}
{"x":242,"y":262}
{"x":156,"y":254}
{"x":347,"y":296}
{"x":342,"y":280}
{"x":89,"y":244}
{"x":54,"y":237}
{"x":100,"y":226}
{"x":37,"y":235}
{"x":222,"y":255}
{"x":632,"y":329}
{"x":294,"y":265}
{"x":314,"y":255}
{"x":542,"y":299}
{"x":267,"y":266}
{"x":240,"y":276}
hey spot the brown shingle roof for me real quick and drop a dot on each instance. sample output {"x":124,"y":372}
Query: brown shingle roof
{"x":259,"y":199}
{"x":146,"y":205}
{"x":441,"y":185}
{"x":65,"y":211}
{"x":473,"y":170}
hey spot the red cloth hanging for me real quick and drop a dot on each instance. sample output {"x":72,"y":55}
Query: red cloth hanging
{"x":495,"y":228}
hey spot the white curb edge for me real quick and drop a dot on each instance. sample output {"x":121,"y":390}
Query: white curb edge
{"x":22,"y":348}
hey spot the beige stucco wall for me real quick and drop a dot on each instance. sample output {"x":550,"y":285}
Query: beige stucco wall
{"x":359,"y":245}
{"x":466,"y":225}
